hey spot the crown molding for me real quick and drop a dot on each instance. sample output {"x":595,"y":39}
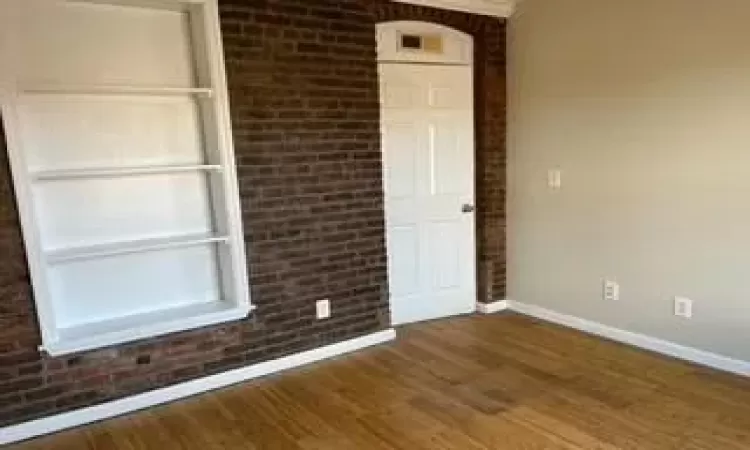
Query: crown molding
{"x":497,"y":8}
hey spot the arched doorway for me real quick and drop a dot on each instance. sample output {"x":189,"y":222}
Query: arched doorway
{"x":427,"y":116}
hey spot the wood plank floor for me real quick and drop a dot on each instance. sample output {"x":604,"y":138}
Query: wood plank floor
{"x":481,"y":382}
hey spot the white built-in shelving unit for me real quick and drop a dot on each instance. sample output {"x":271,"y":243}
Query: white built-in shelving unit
{"x":117,"y":121}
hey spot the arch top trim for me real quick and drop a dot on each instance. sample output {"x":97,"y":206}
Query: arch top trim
{"x":423,"y":42}
{"x":497,"y":8}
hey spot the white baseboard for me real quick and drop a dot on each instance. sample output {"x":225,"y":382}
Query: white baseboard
{"x":126,"y":405}
{"x":494,"y":307}
{"x":34,"y":428}
{"x":653,"y":344}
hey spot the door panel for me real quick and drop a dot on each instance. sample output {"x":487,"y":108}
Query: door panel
{"x":451,"y":140}
{"x":405,"y":261}
{"x":444,"y":95}
{"x":428,"y":154}
{"x":401,"y":182}
{"x":446,"y":259}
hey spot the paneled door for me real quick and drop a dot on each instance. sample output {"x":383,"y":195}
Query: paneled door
{"x":428,"y":153}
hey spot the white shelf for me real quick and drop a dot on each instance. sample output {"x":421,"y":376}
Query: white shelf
{"x":50,"y":89}
{"x":105,"y":333}
{"x":70,"y":174}
{"x":129,"y":247}
{"x":115,"y":262}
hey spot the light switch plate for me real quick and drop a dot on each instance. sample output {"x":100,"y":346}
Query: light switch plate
{"x":611,"y":291}
{"x":554,"y":179}
{"x":683,"y":307}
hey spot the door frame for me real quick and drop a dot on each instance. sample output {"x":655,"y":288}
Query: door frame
{"x":457,"y":49}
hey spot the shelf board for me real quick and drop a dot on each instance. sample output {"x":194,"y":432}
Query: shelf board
{"x":104,"y":333}
{"x":50,"y":89}
{"x":108,"y":172}
{"x":129,"y":247}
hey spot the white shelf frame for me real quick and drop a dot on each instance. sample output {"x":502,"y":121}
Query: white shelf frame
{"x":96,"y":251}
{"x":142,"y":326}
{"x":111,"y":172}
{"x":207,"y":45}
{"x":116,"y":90}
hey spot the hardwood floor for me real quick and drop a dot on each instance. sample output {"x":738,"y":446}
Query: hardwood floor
{"x":481,"y":382}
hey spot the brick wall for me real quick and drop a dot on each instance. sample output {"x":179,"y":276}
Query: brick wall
{"x":304,"y":98}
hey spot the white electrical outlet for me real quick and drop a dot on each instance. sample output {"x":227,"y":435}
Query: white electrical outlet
{"x":611,"y":291}
{"x":323,"y":309}
{"x":683,"y":307}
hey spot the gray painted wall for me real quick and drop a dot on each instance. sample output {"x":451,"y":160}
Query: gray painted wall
{"x":645,"y":107}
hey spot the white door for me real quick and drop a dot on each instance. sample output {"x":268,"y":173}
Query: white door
{"x":428,"y":153}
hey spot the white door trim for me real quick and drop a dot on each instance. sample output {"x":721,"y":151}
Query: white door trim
{"x":456,"y":47}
